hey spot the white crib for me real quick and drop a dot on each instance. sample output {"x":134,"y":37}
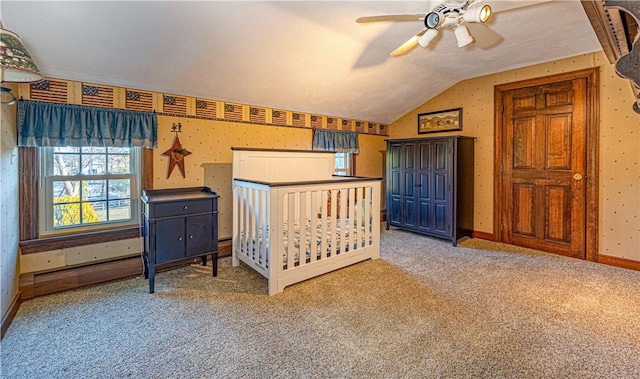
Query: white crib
{"x":293,"y":220}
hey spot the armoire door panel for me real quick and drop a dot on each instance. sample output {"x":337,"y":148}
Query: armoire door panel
{"x":395,"y":157}
{"x":424,"y":185}
{"x":409,"y":212}
{"x":441,"y":155}
{"x":395,"y":183}
{"x":440,"y":212}
{"x":394,"y":213}
{"x":409,"y":184}
{"x":424,"y":160}
{"x":409,"y":156}
{"x":426,"y":215}
{"x":440,"y":187}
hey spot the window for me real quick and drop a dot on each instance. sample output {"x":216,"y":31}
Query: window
{"x":344,"y":164}
{"x":87,"y":188}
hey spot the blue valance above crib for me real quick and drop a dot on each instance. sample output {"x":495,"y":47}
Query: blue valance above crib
{"x":334,"y":140}
{"x":51,"y":124}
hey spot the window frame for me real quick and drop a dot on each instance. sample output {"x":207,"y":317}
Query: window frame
{"x":349,"y":170}
{"x":30,"y":241}
{"x":45,"y":195}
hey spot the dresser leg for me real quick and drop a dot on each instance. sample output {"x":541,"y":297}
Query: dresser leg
{"x":204,"y":260}
{"x":214,"y":263}
{"x":152,"y":277}
{"x":145,"y":268}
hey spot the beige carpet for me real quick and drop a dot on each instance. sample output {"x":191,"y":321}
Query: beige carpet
{"x":425,"y":310}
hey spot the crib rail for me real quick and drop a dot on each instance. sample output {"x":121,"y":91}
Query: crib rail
{"x":278,"y":228}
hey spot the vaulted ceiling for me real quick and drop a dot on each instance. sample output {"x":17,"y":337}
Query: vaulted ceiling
{"x":308,"y":56}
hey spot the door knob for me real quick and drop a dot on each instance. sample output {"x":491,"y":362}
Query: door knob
{"x":577,"y":177}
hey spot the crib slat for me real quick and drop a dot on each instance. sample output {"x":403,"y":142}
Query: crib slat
{"x":344,"y":195}
{"x":313,"y":241}
{"x":265,"y":236}
{"x":357,"y":223}
{"x":251,"y":231}
{"x":243,"y":214}
{"x":291,"y":236}
{"x":324,"y":219}
{"x":334,"y":223}
{"x":256,"y":232}
{"x":353,"y":224}
{"x":304,"y":228}
{"x":368,"y":217}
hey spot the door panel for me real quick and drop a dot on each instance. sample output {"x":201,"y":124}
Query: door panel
{"x":409,"y":156}
{"x":199,"y":234}
{"x":170,"y":242}
{"x":409,"y":214}
{"x":442,"y":156}
{"x":396,"y":207}
{"x":558,"y":208}
{"x":558,"y":142}
{"x":425,"y":221}
{"x":441,"y":220}
{"x":440,"y":187}
{"x":395,"y":185}
{"x":524,"y":140}
{"x":523,"y":205}
{"x":544,"y":162}
{"x":395,"y":157}
{"x":425,"y":157}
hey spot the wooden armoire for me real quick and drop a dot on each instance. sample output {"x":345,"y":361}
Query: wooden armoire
{"x":430,"y":186}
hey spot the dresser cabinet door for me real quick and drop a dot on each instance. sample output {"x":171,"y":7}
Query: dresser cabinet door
{"x":170,"y":241}
{"x":199,"y":234}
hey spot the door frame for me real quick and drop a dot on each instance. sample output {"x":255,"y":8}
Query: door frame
{"x":592,"y":76}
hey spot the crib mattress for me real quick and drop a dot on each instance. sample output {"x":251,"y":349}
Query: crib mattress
{"x":307,"y":247}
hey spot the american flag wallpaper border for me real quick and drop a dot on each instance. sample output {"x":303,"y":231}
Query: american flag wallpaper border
{"x":80,"y":93}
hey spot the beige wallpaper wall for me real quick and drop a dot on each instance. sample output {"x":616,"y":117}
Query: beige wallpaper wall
{"x":9,"y":262}
{"x":211,"y":141}
{"x":619,"y":218}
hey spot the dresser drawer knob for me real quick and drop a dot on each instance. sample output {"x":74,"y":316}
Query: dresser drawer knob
{"x":185,"y":207}
{"x":179,"y":238}
{"x":190,"y":237}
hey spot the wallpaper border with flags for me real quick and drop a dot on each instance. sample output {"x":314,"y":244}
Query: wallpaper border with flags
{"x":79,"y":93}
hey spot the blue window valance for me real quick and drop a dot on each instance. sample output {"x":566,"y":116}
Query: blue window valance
{"x":338,"y":141}
{"x":51,"y":124}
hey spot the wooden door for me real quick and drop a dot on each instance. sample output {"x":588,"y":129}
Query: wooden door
{"x":544,"y":167}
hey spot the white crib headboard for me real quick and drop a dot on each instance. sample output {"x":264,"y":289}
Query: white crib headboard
{"x":282,"y":165}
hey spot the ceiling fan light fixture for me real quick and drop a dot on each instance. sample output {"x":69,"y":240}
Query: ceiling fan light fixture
{"x":433,"y":19}
{"x":426,"y":39}
{"x":479,"y":14}
{"x":463,"y":36}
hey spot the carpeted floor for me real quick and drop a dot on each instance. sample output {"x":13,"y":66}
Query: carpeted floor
{"x":425,"y":310}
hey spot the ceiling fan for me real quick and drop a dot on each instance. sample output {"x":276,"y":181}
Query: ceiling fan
{"x":459,"y":15}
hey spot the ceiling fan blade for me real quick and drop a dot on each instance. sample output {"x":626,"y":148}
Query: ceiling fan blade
{"x":484,"y":36}
{"x":392,"y":17}
{"x":503,"y":6}
{"x":409,"y":45}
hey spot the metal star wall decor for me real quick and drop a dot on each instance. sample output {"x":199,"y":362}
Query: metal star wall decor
{"x":176,"y":153}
